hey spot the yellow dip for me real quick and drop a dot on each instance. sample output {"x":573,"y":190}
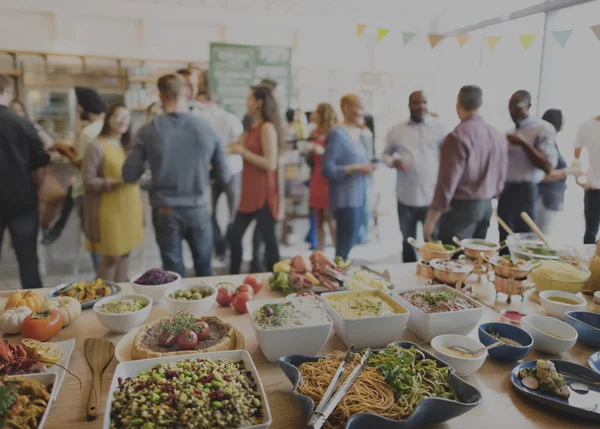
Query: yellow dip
{"x":355,"y":305}
{"x":563,"y":300}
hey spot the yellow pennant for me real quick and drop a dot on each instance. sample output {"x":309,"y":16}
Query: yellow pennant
{"x":493,"y":41}
{"x":434,"y":39}
{"x":462,"y":39}
{"x":526,"y":40}
{"x":381,"y":33}
{"x":360,"y":29}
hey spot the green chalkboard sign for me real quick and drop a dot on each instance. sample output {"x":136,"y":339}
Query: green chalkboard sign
{"x":234,"y":68}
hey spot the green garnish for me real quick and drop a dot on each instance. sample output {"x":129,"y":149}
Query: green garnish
{"x":7,"y":399}
{"x":340,"y":263}
{"x":369,"y":307}
{"x":182,"y":321}
{"x":435,"y":299}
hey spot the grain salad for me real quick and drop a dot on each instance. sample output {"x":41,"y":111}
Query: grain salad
{"x":188,"y":394}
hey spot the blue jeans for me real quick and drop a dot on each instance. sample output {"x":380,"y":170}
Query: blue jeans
{"x":409,"y":217}
{"x":172,"y":225}
{"x":348,"y":221}
{"x":24,"y":232}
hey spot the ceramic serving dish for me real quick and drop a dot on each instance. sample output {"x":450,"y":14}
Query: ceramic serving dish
{"x":134,"y":368}
{"x":198,"y":307}
{"x":550,"y":335}
{"x":46,"y":379}
{"x":587,"y":325}
{"x":429,"y":325}
{"x":278,"y":342}
{"x":462,"y":365}
{"x":506,"y":352}
{"x":364,"y":332}
{"x":115,"y":289}
{"x":123,"y":322}
{"x":474,"y":247}
{"x":158,"y":293}
{"x":429,"y":411}
{"x":558,"y":309}
{"x":578,"y":404}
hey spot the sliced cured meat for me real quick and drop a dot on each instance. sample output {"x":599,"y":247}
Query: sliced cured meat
{"x":300,"y":264}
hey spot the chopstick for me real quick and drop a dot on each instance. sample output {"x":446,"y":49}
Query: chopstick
{"x":326,"y":406}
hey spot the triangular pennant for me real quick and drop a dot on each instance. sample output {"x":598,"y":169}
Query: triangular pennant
{"x":360,"y":28}
{"x":493,"y":41}
{"x":596,"y":30}
{"x":562,"y":37}
{"x":407,"y":37}
{"x":434,"y":39}
{"x":526,"y":40}
{"x":462,"y":39}
{"x":381,"y":33}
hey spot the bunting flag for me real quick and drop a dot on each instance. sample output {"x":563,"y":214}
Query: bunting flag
{"x":526,"y":40}
{"x":434,"y":39}
{"x":407,"y":37}
{"x":492,"y":41}
{"x":381,"y":33}
{"x":562,"y":37}
{"x":360,"y":28}
{"x":462,"y":39}
{"x":596,"y":30}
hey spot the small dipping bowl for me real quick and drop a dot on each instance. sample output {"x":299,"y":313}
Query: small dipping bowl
{"x":550,"y":335}
{"x":506,"y":352}
{"x":587,"y":325}
{"x":558,"y":309}
{"x":462,"y":365}
{"x":511,"y":316}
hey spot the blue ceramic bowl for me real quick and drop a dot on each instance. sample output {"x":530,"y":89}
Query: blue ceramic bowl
{"x":587,"y":325}
{"x":428,"y":411}
{"x":506,"y":353}
{"x":594,"y":362}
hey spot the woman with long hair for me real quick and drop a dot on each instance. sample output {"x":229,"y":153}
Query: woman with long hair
{"x":113,"y":210}
{"x":325,"y":119}
{"x":259,"y":148}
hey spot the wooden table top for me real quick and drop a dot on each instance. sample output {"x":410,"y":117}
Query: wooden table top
{"x":502,"y":406}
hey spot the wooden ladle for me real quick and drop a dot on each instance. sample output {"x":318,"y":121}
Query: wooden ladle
{"x":531,"y":224}
{"x":98,"y":353}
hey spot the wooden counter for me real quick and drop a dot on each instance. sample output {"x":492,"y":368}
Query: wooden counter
{"x":502,"y":406}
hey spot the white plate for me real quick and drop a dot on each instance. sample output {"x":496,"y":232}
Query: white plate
{"x":67,"y":347}
{"x":132,"y":369}
{"x":125,"y":345}
{"x":46,"y":379}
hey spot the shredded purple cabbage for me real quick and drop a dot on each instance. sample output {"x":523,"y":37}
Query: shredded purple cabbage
{"x":155,"y":276}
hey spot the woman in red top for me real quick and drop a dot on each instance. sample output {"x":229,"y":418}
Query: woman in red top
{"x":259,"y":148}
{"x":325,"y":118}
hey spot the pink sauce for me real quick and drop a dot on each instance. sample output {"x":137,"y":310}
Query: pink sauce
{"x":513,"y":315}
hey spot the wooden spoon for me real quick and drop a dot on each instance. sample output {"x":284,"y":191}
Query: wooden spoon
{"x":506,"y":228}
{"x":531,"y":224}
{"x":98,"y":353}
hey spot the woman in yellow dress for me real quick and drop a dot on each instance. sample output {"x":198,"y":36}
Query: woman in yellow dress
{"x":113,"y":210}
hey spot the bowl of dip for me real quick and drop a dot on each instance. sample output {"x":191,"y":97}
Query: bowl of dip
{"x":517,"y":342}
{"x":464,"y":363}
{"x":556,"y":303}
{"x":369,"y":318}
{"x":287,"y":326}
{"x":122,"y":313}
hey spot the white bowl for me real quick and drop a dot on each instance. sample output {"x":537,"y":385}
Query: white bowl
{"x":278,"y":342}
{"x":123,"y":322}
{"x":426,"y":326}
{"x":134,"y":368}
{"x":558,"y":309}
{"x":550,"y":335}
{"x":462,"y":365}
{"x":365,"y":332}
{"x":197,"y":308}
{"x":158,"y":293}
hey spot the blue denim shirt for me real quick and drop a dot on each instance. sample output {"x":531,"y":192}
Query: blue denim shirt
{"x":345,"y":190}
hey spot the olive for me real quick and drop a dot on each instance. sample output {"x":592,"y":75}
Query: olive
{"x":194,"y":290}
{"x":187,"y":294}
{"x":196,"y":295}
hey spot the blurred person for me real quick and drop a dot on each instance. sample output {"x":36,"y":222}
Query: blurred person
{"x":346,"y":166}
{"x":229,"y":128}
{"x":21,"y":153}
{"x":551,"y":191}
{"x":369,"y":142}
{"x":325,"y":119}
{"x":190,"y":87}
{"x":259,"y":148}
{"x":113,"y":210}
{"x":180,"y":149}
{"x":588,"y":138}
{"x":413,"y":149}
{"x":532,"y":154}
{"x":473,"y":168}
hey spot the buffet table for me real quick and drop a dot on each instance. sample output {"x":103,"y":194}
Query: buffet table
{"x":502,"y":406}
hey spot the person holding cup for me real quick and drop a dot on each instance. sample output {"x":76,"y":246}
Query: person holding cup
{"x":346,"y":166}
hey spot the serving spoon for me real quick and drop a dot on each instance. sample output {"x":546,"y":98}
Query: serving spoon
{"x":460,"y":349}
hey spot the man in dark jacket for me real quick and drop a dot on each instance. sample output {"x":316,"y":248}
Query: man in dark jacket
{"x":21,"y":153}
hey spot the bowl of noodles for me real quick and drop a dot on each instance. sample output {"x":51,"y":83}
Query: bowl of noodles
{"x":26,"y":399}
{"x":558,"y":275}
{"x":381,"y":397}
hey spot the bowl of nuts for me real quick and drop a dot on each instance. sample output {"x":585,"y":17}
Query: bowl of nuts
{"x":195,"y":299}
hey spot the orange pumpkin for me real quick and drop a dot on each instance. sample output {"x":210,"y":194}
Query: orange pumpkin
{"x":25,"y":298}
